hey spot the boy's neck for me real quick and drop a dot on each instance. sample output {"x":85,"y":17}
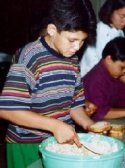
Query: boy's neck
{"x":49,"y":41}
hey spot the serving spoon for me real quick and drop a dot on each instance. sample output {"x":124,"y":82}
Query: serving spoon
{"x":85,"y":146}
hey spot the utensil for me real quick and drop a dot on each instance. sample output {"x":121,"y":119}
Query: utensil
{"x":85,"y":146}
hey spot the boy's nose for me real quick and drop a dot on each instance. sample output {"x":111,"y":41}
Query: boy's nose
{"x":123,"y":72}
{"x":124,"y":23}
{"x":76,"y":46}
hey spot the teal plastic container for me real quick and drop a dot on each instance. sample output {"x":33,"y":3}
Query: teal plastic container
{"x":55,"y":160}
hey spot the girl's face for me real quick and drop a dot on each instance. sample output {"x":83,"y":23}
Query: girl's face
{"x":118,"y":18}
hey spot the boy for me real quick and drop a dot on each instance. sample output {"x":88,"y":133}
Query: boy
{"x":43,"y":93}
{"x":103,"y":85}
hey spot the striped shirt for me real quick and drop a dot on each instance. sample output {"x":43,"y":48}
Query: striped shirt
{"x":44,"y":82}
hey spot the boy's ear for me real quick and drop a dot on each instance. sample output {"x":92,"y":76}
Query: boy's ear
{"x":108,"y":59}
{"x":109,"y":56}
{"x":51,"y":29}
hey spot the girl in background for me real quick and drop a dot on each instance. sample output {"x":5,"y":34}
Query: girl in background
{"x":111,"y":25}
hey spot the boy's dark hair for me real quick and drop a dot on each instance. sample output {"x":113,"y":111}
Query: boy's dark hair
{"x":71,"y":15}
{"x":115,"y":48}
{"x":108,"y":8}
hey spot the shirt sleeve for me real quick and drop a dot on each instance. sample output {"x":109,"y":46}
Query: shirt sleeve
{"x":78,"y":98}
{"x":97,"y":93}
{"x":17,"y":94}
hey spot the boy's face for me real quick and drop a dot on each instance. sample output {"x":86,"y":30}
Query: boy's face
{"x":65,"y":42}
{"x":115,"y":68}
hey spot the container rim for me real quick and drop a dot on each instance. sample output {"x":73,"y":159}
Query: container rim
{"x":44,"y":151}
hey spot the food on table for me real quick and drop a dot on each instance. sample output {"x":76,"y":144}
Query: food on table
{"x":101,"y":127}
{"x":117,"y":130}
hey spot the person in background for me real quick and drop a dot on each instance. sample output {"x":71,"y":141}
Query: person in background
{"x":43,"y":93}
{"x":102,"y":83}
{"x":111,"y":25}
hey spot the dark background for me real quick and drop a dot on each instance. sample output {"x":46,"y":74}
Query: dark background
{"x":19,"y":21}
{"x":19,"y":24}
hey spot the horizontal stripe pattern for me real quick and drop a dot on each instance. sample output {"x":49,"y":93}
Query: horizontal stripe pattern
{"x":43,"y":82}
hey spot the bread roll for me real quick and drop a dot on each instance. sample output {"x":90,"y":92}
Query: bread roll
{"x":116,"y":134}
{"x":117,"y":130}
{"x":117,"y":127}
{"x":100,"y":127}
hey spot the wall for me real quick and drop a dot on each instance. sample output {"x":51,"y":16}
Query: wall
{"x":96,"y":5}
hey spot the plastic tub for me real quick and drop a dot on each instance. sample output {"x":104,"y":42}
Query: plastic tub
{"x":56,"y":160}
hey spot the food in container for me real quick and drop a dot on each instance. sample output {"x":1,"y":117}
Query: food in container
{"x":113,"y":153}
{"x":96,"y":145}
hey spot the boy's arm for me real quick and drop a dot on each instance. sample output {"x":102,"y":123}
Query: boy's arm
{"x":62,"y":131}
{"x":115,"y":113}
{"x":80,"y":117}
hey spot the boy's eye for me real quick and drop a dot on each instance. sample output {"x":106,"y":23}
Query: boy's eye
{"x":122,"y":68}
{"x":122,"y":16}
{"x":71,"y":41}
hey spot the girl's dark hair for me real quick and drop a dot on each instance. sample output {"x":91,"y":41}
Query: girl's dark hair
{"x":71,"y":15}
{"x":115,"y":48}
{"x":108,"y":8}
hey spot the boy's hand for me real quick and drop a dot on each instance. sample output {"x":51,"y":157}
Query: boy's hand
{"x":65,"y":133}
{"x":90,"y":108}
{"x":122,"y":78}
